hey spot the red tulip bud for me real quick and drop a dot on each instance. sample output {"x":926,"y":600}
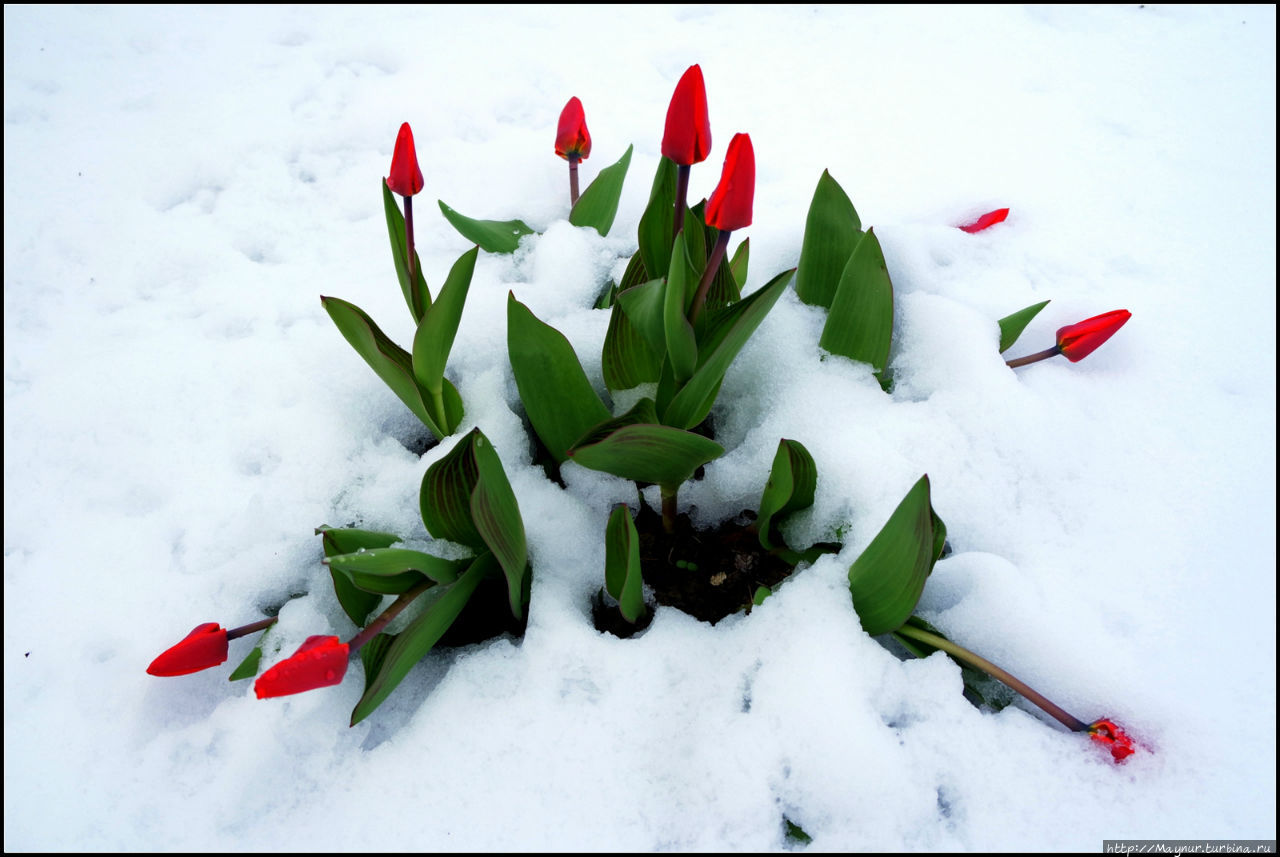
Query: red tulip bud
{"x":1077,"y":341}
{"x":729,"y":207}
{"x":319,"y":662}
{"x":1111,"y":736}
{"x":572,"y":136}
{"x":405,"y":178}
{"x":687,"y":138}
{"x":204,"y":647}
{"x":991,"y":218}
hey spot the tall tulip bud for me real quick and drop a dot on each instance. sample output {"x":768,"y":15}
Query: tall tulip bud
{"x":405,"y":178}
{"x":204,"y":647}
{"x":729,"y":207}
{"x":1077,"y":341}
{"x":572,"y":136}
{"x":321,"y":661}
{"x":687,"y":138}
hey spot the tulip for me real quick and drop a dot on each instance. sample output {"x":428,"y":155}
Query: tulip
{"x":1077,"y":341}
{"x":1111,"y":736}
{"x":204,"y":647}
{"x":729,"y":208}
{"x":986,"y":221}
{"x":319,"y":662}
{"x":687,"y":136}
{"x":406,"y":180}
{"x":573,"y":142}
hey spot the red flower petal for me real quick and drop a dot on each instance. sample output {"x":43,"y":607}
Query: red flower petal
{"x":991,"y":218}
{"x":320,"y":661}
{"x":572,"y":136}
{"x":204,"y":647}
{"x":729,"y":207}
{"x":687,"y":137}
{"x":1111,"y":736}
{"x":1077,"y":341}
{"x":405,"y":178}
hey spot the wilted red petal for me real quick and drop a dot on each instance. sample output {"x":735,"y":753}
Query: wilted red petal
{"x":991,"y":218}
{"x":1112,"y":737}
{"x":320,"y":661}
{"x":405,"y":178}
{"x":1077,"y":341}
{"x":729,"y":207}
{"x":687,"y":137}
{"x":204,"y":647}
{"x":572,"y":136}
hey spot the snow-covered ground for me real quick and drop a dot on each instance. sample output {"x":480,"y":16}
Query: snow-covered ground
{"x":181,"y":184}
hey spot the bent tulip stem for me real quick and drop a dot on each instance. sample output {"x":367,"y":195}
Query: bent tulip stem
{"x":244,"y":630}
{"x":962,"y":654}
{"x":573,"y":180}
{"x":682,"y":193}
{"x":397,"y":607}
{"x":708,"y":276}
{"x":1033,"y":358}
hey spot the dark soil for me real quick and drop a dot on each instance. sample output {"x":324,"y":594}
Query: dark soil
{"x":487,"y":615}
{"x":709,"y":574}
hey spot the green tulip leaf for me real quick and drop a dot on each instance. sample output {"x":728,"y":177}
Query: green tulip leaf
{"x":436,"y":332}
{"x":626,"y":359}
{"x":622,"y":564}
{"x":658,"y":221}
{"x":412,"y":644}
{"x":725,"y":333}
{"x":373,"y":654}
{"x":831,"y":232}
{"x":390,"y":571}
{"x":738,"y":265}
{"x":682,"y":346}
{"x":560,"y":402}
{"x":1011,"y":326}
{"x":762,"y":592}
{"x":445,"y":498}
{"x":497,"y":516}
{"x":493,"y":236}
{"x":647,"y":453}
{"x":598,"y":204}
{"x":355,"y":602}
{"x":887,"y":579}
{"x":419,"y":298}
{"x":389,"y":361}
{"x":645,"y":308}
{"x":792,"y":481}
{"x":248,"y":668}
{"x":860,"y":323}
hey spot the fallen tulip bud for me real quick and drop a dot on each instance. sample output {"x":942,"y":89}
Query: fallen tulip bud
{"x":204,"y":647}
{"x":321,"y":661}
{"x":1077,"y":341}
{"x":1112,"y":737}
{"x":986,"y":221}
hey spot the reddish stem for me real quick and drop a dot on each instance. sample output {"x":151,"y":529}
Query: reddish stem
{"x":251,"y":627}
{"x":1032,"y":358}
{"x":573,"y":180}
{"x":408,"y":240}
{"x":708,"y":276}
{"x":397,"y":607}
{"x":682,"y":193}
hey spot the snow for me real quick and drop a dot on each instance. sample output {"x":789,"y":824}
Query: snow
{"x":180,"y":186}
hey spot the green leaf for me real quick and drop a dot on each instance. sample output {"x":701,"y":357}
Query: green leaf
{"x":373,"y":654}
{"x":795,"y":833}
{"x":497,"y":516}
{"x":1011,"y":326}
{"x":445,"y":498}
{"x":436,"y":332}
{"x":658,"y":221}
{"x":738,"y":266}
{"x":622,"y":564}
{"x":356,"y":603}
{"x":626,"y":359}
{"x":725,"y":334}
{"x":645,"y":307}
{"x":493,"y":236}
{"x":792,"y":481}
{"x":248,"y":668}
{"x":403,"y":566}
{"x":647,"y":453}
{"x":560,"y":402}
{"x":762,"y":592}
{"x":419,"y":299}
{"x":412,"y":644}
{"x":887,"y":579}
{"x":860,"y":323}
{"x":389,"y":361}
{"x":682,"y":346}
{"x":598,"y":204}
{"x":831,"y":232}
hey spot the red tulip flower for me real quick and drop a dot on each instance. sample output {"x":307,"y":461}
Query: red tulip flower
{"x":405,"y":178}
{"x":687,"y":138}
{"x":1111,"y":736}
{"x":986,"y":221}
{"x":572,"y":136}
{"x":1077,"y":341}
{"x":319,"y":662}
{"x":204,"y":647}
{"x":729,"y":207}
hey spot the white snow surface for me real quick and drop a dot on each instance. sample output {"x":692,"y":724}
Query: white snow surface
{"x":182,"y":184}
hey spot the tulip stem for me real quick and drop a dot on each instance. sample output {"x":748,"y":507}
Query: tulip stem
{"x":1032,"y":358}
{"x":708,"y":276}
{"x":251,"y":627}
{"x":669,"y":509}
{"x":573,"y":180}
{"x":962,"y":654}
{"x":408,"y":242}
{"x":682,"y":193}
{"x":375,"y":627}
